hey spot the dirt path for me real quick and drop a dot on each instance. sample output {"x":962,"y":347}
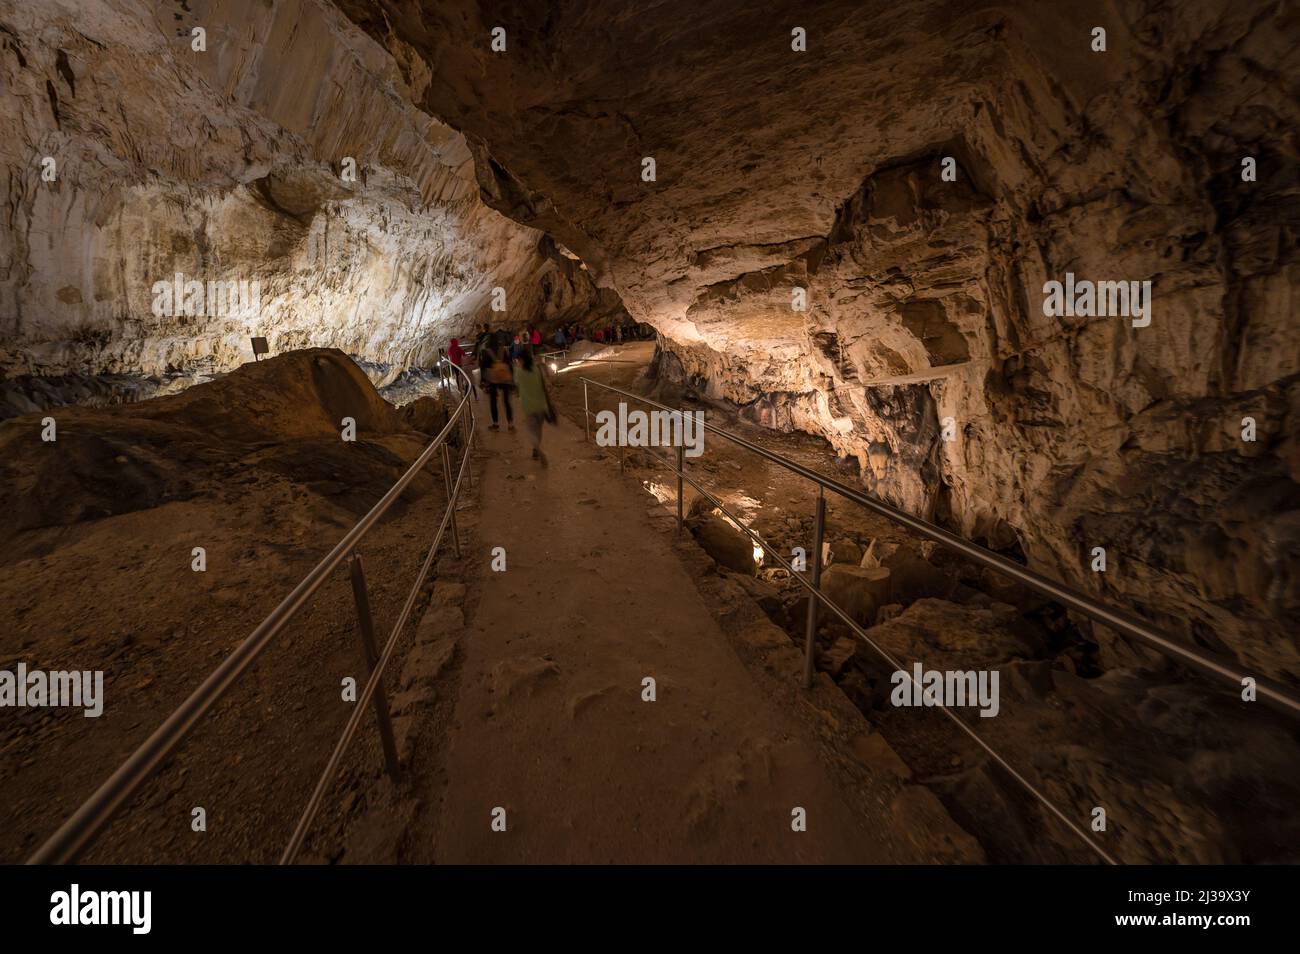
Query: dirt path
{"x":550,"y":723}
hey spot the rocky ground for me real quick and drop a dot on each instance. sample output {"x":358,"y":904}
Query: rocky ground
{"x":531,"y":669}
{"x":1185,"y":771}
{"x":99,"y":528}
{"x":96,"y":535}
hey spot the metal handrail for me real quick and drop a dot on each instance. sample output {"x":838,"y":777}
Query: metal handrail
{"x":94,"y":814}
{"x":817,"y":596}
{"x":1117,"y":619}
{"x":550,"y":356}
{"x":372,"y":685}
{"x":1071,"y":597}
{"x":582,"y":362}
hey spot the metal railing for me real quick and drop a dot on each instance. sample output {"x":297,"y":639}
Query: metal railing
{"x":547,"y":356}
{"x":579,"y":362}
{"x":76,"y":834}
{"x":1117,"y":619}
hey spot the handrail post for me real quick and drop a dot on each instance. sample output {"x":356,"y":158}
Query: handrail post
{"x":467,"y":435}
{"x":810,"y":633}
{"x":451,"y":501}
{"x":586,"y":413}
{"x":1124,"y":622}
{"x":366,"y":625}
{"x":681,"y":466}
{"x":93,"y":815}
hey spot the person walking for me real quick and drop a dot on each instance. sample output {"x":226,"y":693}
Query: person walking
{"x":494,"y":371}
{"x":456,"y":355}
{"x":535,"y":400}
{"x":484,"y":338}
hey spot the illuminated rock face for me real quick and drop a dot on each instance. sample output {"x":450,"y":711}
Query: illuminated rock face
{"x":227,"y":165}
{"x":778,"y":170}
{"x":783,"y":180}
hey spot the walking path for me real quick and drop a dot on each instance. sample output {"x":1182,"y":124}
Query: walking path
{"x":550,"y":723}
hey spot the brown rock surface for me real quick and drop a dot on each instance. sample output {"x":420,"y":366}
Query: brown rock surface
{"x":776,"y":171}
{"x":861,"y":592}
{"x":1128,"y":742}
{"x":779,"y":170}
{"x":109,"y":461}
{"x":97,"y":537}
{"x":724,"y":542}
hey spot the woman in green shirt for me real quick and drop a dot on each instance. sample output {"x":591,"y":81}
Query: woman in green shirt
{"x":530,"y":380}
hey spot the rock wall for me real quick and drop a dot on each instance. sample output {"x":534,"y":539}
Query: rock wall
{"x":779,"y":170}
{"x":227,"y":165}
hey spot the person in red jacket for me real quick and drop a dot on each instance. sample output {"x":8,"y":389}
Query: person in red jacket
{"x":535,"y":337}
{"x":456,"y":355}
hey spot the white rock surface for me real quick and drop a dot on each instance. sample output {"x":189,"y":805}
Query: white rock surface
{"x":225,"y":165}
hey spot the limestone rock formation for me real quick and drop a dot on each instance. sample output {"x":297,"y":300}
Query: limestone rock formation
{"x":852,"y":239}
{"x":924,"y":350}
{"x":232,"y":164}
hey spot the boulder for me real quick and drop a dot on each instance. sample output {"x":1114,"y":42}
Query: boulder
{"x":915,"y":577}
{"x":699,"y":508}
{"x":946,"y":635}
{"x":857,"y":590}
{"x":426,"y":414}
{"x":845,"y":551}
{"x":888,"y":612}
{"x":765,"y":595}
{"x":727,"y":545}
{"x":833,"y":660}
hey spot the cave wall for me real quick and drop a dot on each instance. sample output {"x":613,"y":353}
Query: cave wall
{"x":225,"y":165}
{"x":821,"y":170}
{"x":777,"y":171}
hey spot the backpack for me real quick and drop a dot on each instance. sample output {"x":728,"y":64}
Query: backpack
{"x":499,"y":370}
